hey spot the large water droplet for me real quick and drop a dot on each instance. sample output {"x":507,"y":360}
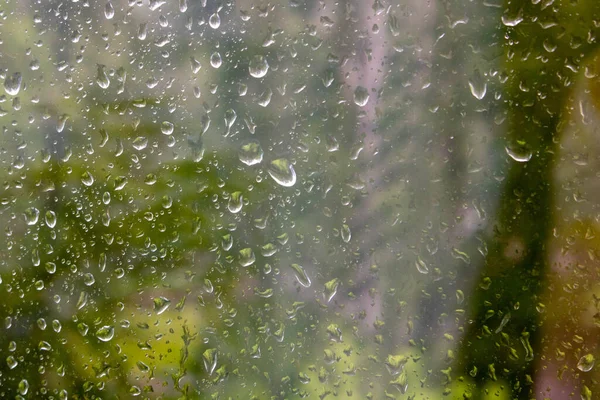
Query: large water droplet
{"x":210,"y":360}
{"x":421,"y":266}
{"x":519,"y":151}
{"x":102,"y":78}
{"x":247,"y":257}
{"x":477,"y":85}
{"x":258,"y":66}
{"x":109,"y":10}
{"x":23,"y":387}
{"x":282,"y":172}
{"x":167,"y":128}
{"x":50,"y":219}
{"x":235,"y":203}
{"x":251,"y":153}
{"x":331,"y":289}
{"x":216,"y":60}
{"x":31,"y":215}
{"x":361,"y":96}
{"x":87,"y":178}
{"x":346,"y":234}
{"x":586,"y":363}
{"x":214,"y":21}
{"x":105,"y":333}
{"x":161,"y":304}
{"x":12,"y":84}
{"x":301,"y":275}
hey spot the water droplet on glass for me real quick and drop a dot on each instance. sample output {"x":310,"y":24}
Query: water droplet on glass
{"x":251,"y":153}
{"x":235,"y":202}
{"x":361,"y":96}
{"x":11,"y":362}
{"x":109,"y":10}
{"x":167,"y":128}
{"x":216,"y":60}
{"x":161,"y":304}
{"x":214,"y":21}
{"x":140,"y":143}
{"x":586,"y":363}
{"x":247,"y":257}
{"x":421,"y":266}
{"x":258,"y":66}
{"x":331,"y":289}
{"x":23,"y":387}
{"x":50,"y":267}
{"x":105,"y":333}
{"x":282,"y":172}
{"x":31,"y":215}
{"x":519,"y":151}
{"x":346,"y":234}
{"x":301,"y":275}
{"x":195,"y":64}
{"x":210,"y":360}
{"x":101,"y":77}
{"x":87,"y":179}
{"x":12,"y":84}
{"x":50,"y":219}
{"x":477,"y":85}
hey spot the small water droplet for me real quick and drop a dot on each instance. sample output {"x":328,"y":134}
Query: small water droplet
{"x":258,"y":66}
{"x":140,"y":143}
{"x":282,"y":172}
{"x":361,"y":96}
{"x":23,"y":387}
{"x":331,"y":289}
{"x":346,"y":234}
{"x":210,"y":360}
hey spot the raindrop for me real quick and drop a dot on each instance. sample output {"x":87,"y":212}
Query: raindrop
{"x":282,"y":172}
{"x":301,"y":275}
{"x":346,"y":234}
{"x":519,"y":151}
{"x":586,"y":363}
{"x":87,"y":179}
{"x":421,"y":266}
{"x":12,"y":84}
{"x":195,"y":64}
{"x":331,"y":289}
{"x":210,"y":360}
{"x":31,"y":215}
{"x":361,"y":96}
{"x":102,"y":78}
{"x":140,"y":143}
{"x":247,"y":257}
{"x":477,"y":85}
{"x":251,"y":153}
{"x":109,"y":10}
{"x":216,"y":60}
{"x":167,"y":128}
{"x":258,"y":66}
{"x":105,"y":333}
{"x":214,"y":21}
{"x":161,"y":304}
{"x":50,"y":219}
{"x":23,"y":387}
{"x":235,"y":202}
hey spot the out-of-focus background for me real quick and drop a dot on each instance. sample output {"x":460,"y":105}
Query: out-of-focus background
{"x":290,"y":199}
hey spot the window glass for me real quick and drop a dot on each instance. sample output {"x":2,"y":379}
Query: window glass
{"x":283,"y":199}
